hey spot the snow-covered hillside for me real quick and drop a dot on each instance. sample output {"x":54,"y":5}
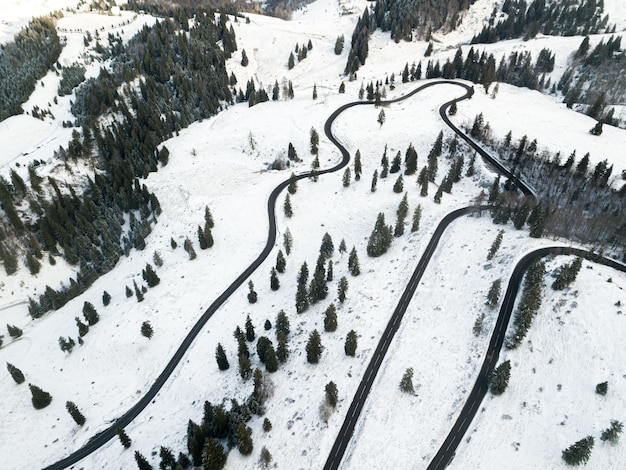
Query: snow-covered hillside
{"x":222,"y":163}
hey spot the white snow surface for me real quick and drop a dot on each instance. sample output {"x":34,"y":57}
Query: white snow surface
{"x":222,"y":163}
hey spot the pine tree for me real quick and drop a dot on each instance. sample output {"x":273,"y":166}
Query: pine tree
{"x":342,"y":246}
{"x":342,"y":289}
{"x":410,"y":160}
{"x":40,"y":399}
{"x":34,"y":266}
{"x":287,"y":242}
{"x":267,"y":425}
{"x":287,"y":207}
{"x":339,"y":44}
{"x":374,"y":181}
{"x":302,"y":298}
{"x":146,"y":330}
{"x":417,"y":215}
{"x":68,"y":344}
{"x":244,"y":439}
{"x":395,"y":163}
{"x":106,"y":298}
{"x":275,"y":91}
{"x":142,"y":463}
{"x":438,"y":194}
{"x":90,"y":313}
{"x":274,"y":282}
{"x":351,"y":343}
{"x":329,"y":271}
{"x":315,"y":139}
{"x":188,"y":246}
{"x":220,"y":357}
{"x":384,"y":162}
{"x":73,"y":410}
{"x":14,"y":331}
{"x":381,"y":237}
{"x":245,"y":369}
{"x":252,"y":295}
{"x":173,"y":243}
{"x":168,"y":462}
{"x":398,"y":186}
{"x":266,"y":457}
{"x":495,"y":246}
{"x":579,"y":452}
{"x":291,"y":61}
{"x":611,"y":434}
{"x":346,"y":177}
{"x":493,"y":296}
{"x":331,"y":394}
{"x":202,"y":241}
{"x":452,"y":110}
{"x":357,"y":165}
{"x":280,"y":262}
{"x":282,"y":351}
{"x":327,"y":248}
{"x":293,"y":184}
{"x":16,"y":374}
{"x":342,"y":87}
{"x":213,"y":454}
{"x":330,"y":318}
{"x":499,"y":379}
{"x":602,"y":388}
{"x":353,"y":263}
{"x":403,"y":210}
{"x":124,"y":439}
{"x":381,"y":117}
{"x":82,"y":328}
{"x":271,"y":362}
{"x":244,"y":58}
{"x":282,"y":324}
{"x":314,"y":348}
{"x":422,"y":181}
{"x":494,"y":192}
{"x":406,"y":384}
{"x":129,"y":292}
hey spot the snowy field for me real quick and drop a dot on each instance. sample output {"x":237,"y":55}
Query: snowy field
{"x":222,"y":162}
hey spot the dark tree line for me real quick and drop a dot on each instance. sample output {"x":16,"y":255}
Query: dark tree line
{"x":563,"y":18}
{"x":33,"y":51}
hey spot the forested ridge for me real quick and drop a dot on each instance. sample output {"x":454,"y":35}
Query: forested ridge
{"x":181,"y":76}
{"x":32,"y":53}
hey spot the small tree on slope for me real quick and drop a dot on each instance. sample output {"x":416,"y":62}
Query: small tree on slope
{"x":499,"y":379}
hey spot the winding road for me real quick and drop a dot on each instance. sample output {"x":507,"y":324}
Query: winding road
{"x":334,"y":460}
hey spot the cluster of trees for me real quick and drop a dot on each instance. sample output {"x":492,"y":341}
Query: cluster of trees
{"x":593,"y":80}
{"x":33,"y":51}
{"x":580,"y":451}
{"x":301,"y":52}
{"x":518,"y":69}
{"x":584,"y":206}
{"x":565,"y":18}
{"x":566,"y":274}
{"x":71,"y":77}
{"x":528,"y":305}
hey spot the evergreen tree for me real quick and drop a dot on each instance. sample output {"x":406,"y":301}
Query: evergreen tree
{"x":213,"y":454}
{"x":245,"y":370}
{"x":395,"y":163}
{"x":351,"y":343}
{"x":188,"y":246}
{"x":274,"y":282}
{"x":403,"y":210}
{"x":342,"y":289}
{"x":342,"y":246}
{"x":90,"y":313}
{"x":406,"y":384}
{"x":302,"y":298}
{"x":16,"y":374}
{"x":330,"y":319}
{"x":602,"y":388}
{"x":303,"y":275}
{"x":293,"y":184}
{"x":14,"y":331}
{"x":329,"y":271}
{"x":495,"y":246}
{"x":142,"y":463}
{"x":494,"y":192}
{"x":398,"y":186}
{"x":318,"y":288}
{"x":417,"y":216}
{"x":327,"y":248}
{"x":291,"y":61}
{"x":249,"y":327}
{"x":579,"y":452}
{"x":173,"y":243}
{"x":252,"y":295}
{"x":129,"y":292}
{"x":493,"y":296}
{"x":422,"y":181}
{"x":315,"y":139}
{"x":146,"y":329}
{"x":280,"y":262}
{"x":384,"y":162}
{"x":567,"y":274}
{"x":266,"y":457}
{"x":353,"y":263}
{"x":244,"y":58}
{"x":381,"y":237}
{"x":220,"y":357}
{"x":68,"y":344}
{"x":282,"y":351}
{"x":453,"y":109}
{"x":168,"y":462}
{"x":244,"y":439}
{"x":202,"y":241}
{"x":346,"y":177}
{"x":82,"y":328}
{"x":597,"y":129}
{"x":499,"y":379}
{"x":287,"y":242}
{"x":267,"y":425}
{"x":124,"y":439}
{"x":287,"y":207}
{"x":314,"y":348}
{"x":331,"y":394}
{"x":34,"y":266}
{"x":410,"y":160}
{"x":342,"y":88}
{"x":339,"y":44}
{"x":73,"y":410}
{"x":282,"y":324}
{"x":611,"y":434}
{"x":275,"y":91}
{"x":374,"y":181}
{"x":106,"y":298}
{"x":381,"y":117}
{"x":357,"y":165}
{"x":271,"y":362}
{"x":40,"y":399}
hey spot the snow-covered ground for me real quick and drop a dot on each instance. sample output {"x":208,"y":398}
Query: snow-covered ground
{"x":222,"y":163}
